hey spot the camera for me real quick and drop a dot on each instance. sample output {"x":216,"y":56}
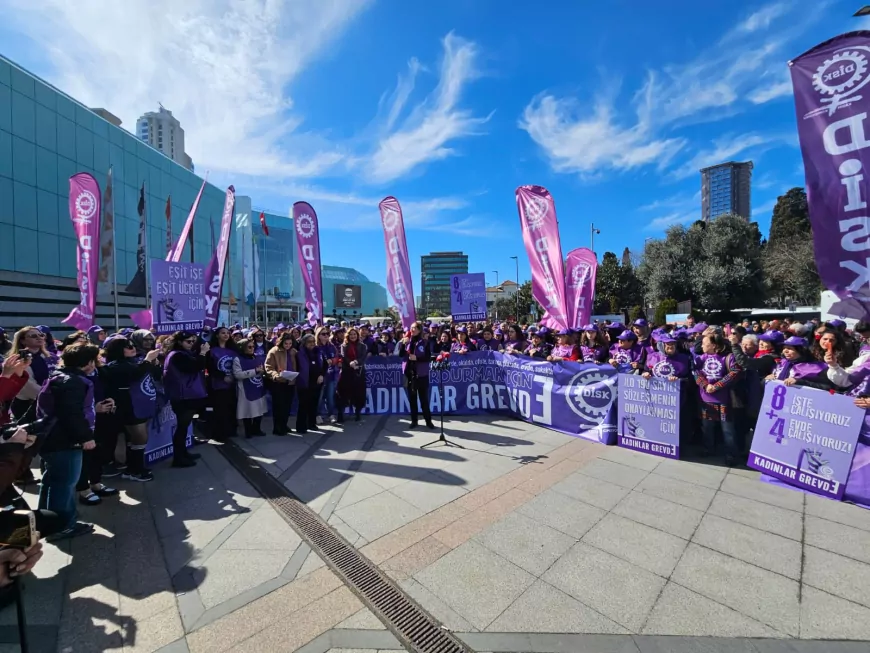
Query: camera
{"x":18,"y":530}
{"x":34,"y":428}
{"x":25,"y":356}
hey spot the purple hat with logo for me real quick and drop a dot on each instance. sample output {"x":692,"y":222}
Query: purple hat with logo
{"x":590,"y":327}
{"x":794,"y":341}
{"x":772,"y":336}
{"x":616,"y":326}
{"x":640,"y":322}
{"x":565,"y":332}
{"x":498,"y":332}
{"x":834,"y":323}
{"x":626,"y":335}
{"x":461,"y":329}
{"x":666,"y":338}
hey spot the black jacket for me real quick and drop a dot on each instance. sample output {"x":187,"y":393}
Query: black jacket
{"x":71,"y":428}
{"x":118,"y":376}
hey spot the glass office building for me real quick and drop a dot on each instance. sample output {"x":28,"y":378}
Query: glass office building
{"x":372,"y":296}
{"x":726,"y":188}
{"x":46,"y":137}
{"x":436,"y":269}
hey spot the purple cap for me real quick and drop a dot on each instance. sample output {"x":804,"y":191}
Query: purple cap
{"x":666,"y":338}
{"x":794,"y":341}
{"x":590,"y":327}
{"x":543,"y":331}
{"x":461,"y":329}
{"x":498,"y":332}
{"x":565,"y":332}
{"x":627,"y":335}
{"x":834,"y":323}
{"x":772,"y":336}
{"x":640,"y":322}
{"x":616,"y":326}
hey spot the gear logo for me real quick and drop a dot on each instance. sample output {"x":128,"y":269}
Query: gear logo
{"x":256,"y":381}
{"x":579,"y":275}
{"x":663,"y":369}
{"x":225,"y":364}
{"x":305,"y":226}
{"x":86,"y":207}
{"x":389,"y":218}
{"x":622,"y":357}
{"x":148,"y":388}
{"x":713,"y":368}
{"x":590,"y":394}
{"x":841,"y":76}
{"x":535,"y":209}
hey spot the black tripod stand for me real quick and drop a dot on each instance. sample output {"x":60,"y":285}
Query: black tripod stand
{"x":441,"y":366}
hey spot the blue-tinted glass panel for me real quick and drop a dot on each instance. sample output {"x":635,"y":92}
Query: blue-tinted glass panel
{"x":24,"y":203}
{"x":116,"y":159}
{"x":5,"y":154}
{"x":66,"y":107}
{"x":66,"y":168}
{"x":116,"y":136}
{"x":46,"y":96}
{"x":129,"y":143}
{"x":66,"y":138}
{"x":5,"y":108}
{"x":4,"y":73}
{"x":48,"y":255}
{"x":64,"y":224}
{"x":23,"y":113}
{"x":67,"y":257}
{"x":46,"y":128}
{"x":23,"y":161}
{"x":84,"y":147}
{"x":100,"y":127}
{"x":131,"y":168}
{"x":84,"y":117}
{"x":101,"y":154}
{"x":26,"y":247}
{"x":46,"y":206}
{"x":21,"y":82}
{"x":6,"y":202}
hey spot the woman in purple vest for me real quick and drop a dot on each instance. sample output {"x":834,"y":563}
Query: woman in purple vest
{"x":312,"y":368}
{"x":249,"y":372}
{"x":130,"y":382}
{"x":222,"y":386}
{"x":329,"y":348}
{"x":798,"y":366}
{"x":416,"y":368}
{"x":184,"y":382}
{"x":716,"y":372}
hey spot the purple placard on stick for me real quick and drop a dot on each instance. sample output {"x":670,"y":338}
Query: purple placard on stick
{"x":806,"y":438}
{"x":178,"y":300}
{"x":648,"y":415}
{"x":468,"y":297}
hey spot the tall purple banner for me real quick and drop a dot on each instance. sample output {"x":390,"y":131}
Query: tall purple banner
{"x":806,"y":438}
{"x":648,"y":415}
{"x":308,"y":249}
{"x":398,"y":268}
{"x":544,"y":248}
{"x":574,"y":398}
{"x":214,"y":274}
{"x":84,"y":211}
{"x":178,"y":300}
{"x":581,"y":268}
{"x":176,"y":252}
{"x":832,"y":102}
{"x":468,"y":297}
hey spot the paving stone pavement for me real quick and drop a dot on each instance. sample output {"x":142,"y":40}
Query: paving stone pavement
{"x":528,"y":540}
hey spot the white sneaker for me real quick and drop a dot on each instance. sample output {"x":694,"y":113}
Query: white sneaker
{"x":318,"y":419}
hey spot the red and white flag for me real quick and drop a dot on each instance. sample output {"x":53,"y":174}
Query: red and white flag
{"x":263,"y":223}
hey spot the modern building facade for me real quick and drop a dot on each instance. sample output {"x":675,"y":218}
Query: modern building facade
{"x":348,"y":293}
{"x":162,"y":131}
{"x":726,"y":188}
{"x":46,"y":137}
{"x":436,"y":269}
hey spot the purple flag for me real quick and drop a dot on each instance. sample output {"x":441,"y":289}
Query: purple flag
{"x":178,"y":296}
{"x":84,"y":211}
{"x":648,"y":415}
{"x":175,"y":254}
{"x":580,"y":286}
{"x":398,"y":268}
{"x":806,"y":438}
{"x":308,"y":250}
{"x":832,"y":101}
{"x":214,"y":273}
{"x":541,"y":236}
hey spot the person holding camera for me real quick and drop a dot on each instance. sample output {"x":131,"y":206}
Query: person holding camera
{"x":352,"y":380}
{"x":184,"y":382}
{"x":67,"y":402}
{"x":13,"y":378}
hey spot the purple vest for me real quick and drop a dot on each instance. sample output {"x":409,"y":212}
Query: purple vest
{"x":563,"y":351}
{"x":418,"y":349}
{"x":515,"y":346}
{"x":663,"y":366}
{"x":787,"y":370}
{"x":715,"y":368}
{"x":594,"y":354}
{"x":143,"y":397}
{"x":330,"y":352}
{"x":488,"y":345}
{"x":254,"y":388}
{"x":182,"y":385}
{"x":625,"y":357}
{"x":221,"y":366}
{"x":260,"y":351}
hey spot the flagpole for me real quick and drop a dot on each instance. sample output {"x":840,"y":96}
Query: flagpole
{"x":265,"y":292}
{"x":114,"y":257}
{"x":147,"y":260}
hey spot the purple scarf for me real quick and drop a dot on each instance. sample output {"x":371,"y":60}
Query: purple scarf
{"x":488,"y":345}
{"x":788,"y":370}
{"x":663,"y":366}
{"x":515,"y":346}
{"x":253,"y":386}
{"x":221,"y":360}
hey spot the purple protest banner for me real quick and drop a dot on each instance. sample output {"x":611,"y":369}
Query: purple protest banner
{"x":544,"y":248}
{"x":648,"y":415}
{"x":468,"y":297}
{"x":177,"y":296}
{"x":399,"y":283}
{"x":806,"y":438}
{"x":581,"y":268}
{"x":160,"y":430}
{"x":574,"y":398}
{"x":308,"y":249}
{"x":175,"y":253}
{"x":214,"y":274}
{"x":84,"y":211}
{"x":832,"y":102}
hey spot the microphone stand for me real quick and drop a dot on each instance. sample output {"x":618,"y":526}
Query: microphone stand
{"x":441,"y":365}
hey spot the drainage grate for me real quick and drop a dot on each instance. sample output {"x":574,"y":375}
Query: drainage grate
{"x":411,"y":624}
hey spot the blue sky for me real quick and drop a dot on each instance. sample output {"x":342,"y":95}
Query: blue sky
{"x":449,"y":106}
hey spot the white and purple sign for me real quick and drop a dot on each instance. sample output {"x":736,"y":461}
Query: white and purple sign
{"x":806,"y":438}
{"x":178,"y":301}
{"x":468,"y":297}
{"x":84,"y":211}
{"x":398,"y":268}
{"x":308,"y":250}
{"x":648,"y":415}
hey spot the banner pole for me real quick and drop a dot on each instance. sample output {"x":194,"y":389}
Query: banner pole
{"x":265,"y":291}
{"x":114,"y":255}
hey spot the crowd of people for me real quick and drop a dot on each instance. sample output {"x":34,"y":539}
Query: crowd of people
{"x":92,"y":388}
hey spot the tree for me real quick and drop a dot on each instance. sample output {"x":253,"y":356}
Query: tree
{"x":665,"y":307}
{"x":393,"y":315}
{"x":508,"y":305}
{"x":789,"y":261}
{"x":607,"y":283}
{"x":377,"y":312}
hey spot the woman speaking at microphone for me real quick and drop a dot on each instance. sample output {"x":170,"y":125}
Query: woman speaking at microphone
{"x":416,"y":369}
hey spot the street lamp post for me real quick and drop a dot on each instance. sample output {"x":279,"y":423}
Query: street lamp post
{"x":517,"y":292}
{"x":592,"y":232}
{"x":498,"y":292}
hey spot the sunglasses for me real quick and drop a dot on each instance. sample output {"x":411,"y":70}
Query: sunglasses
{"x":129,"y":345}
{"x":35,"y":335}
{"x":190,"y":342}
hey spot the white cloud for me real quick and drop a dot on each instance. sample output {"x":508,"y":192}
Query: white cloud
{"x":727,"y":148}
{"x":762,"y":18}
{"x":222,"y":67}
{"x":430,"y":127}
{"x":678,"y":201}
{"x":763,"y":208}
{"x":669,"y":220}
{"x":767,"y":93}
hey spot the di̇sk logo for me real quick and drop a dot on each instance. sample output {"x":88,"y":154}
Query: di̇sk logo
{"x":579,"y":275}
{"x":840,"y":77}
{"x":305,"y":225}
{"x":536,"y":208}
{"x":86,"y":207}
{"x":590,"y":394}
{"x":257,"y":381}
{"x":148,"y":388}
{"x":389,"y":218}
{"x":713,"y":368}
{"x":663,"y":369}
{"x":622,"y":357}
{"x":225,"y":364}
